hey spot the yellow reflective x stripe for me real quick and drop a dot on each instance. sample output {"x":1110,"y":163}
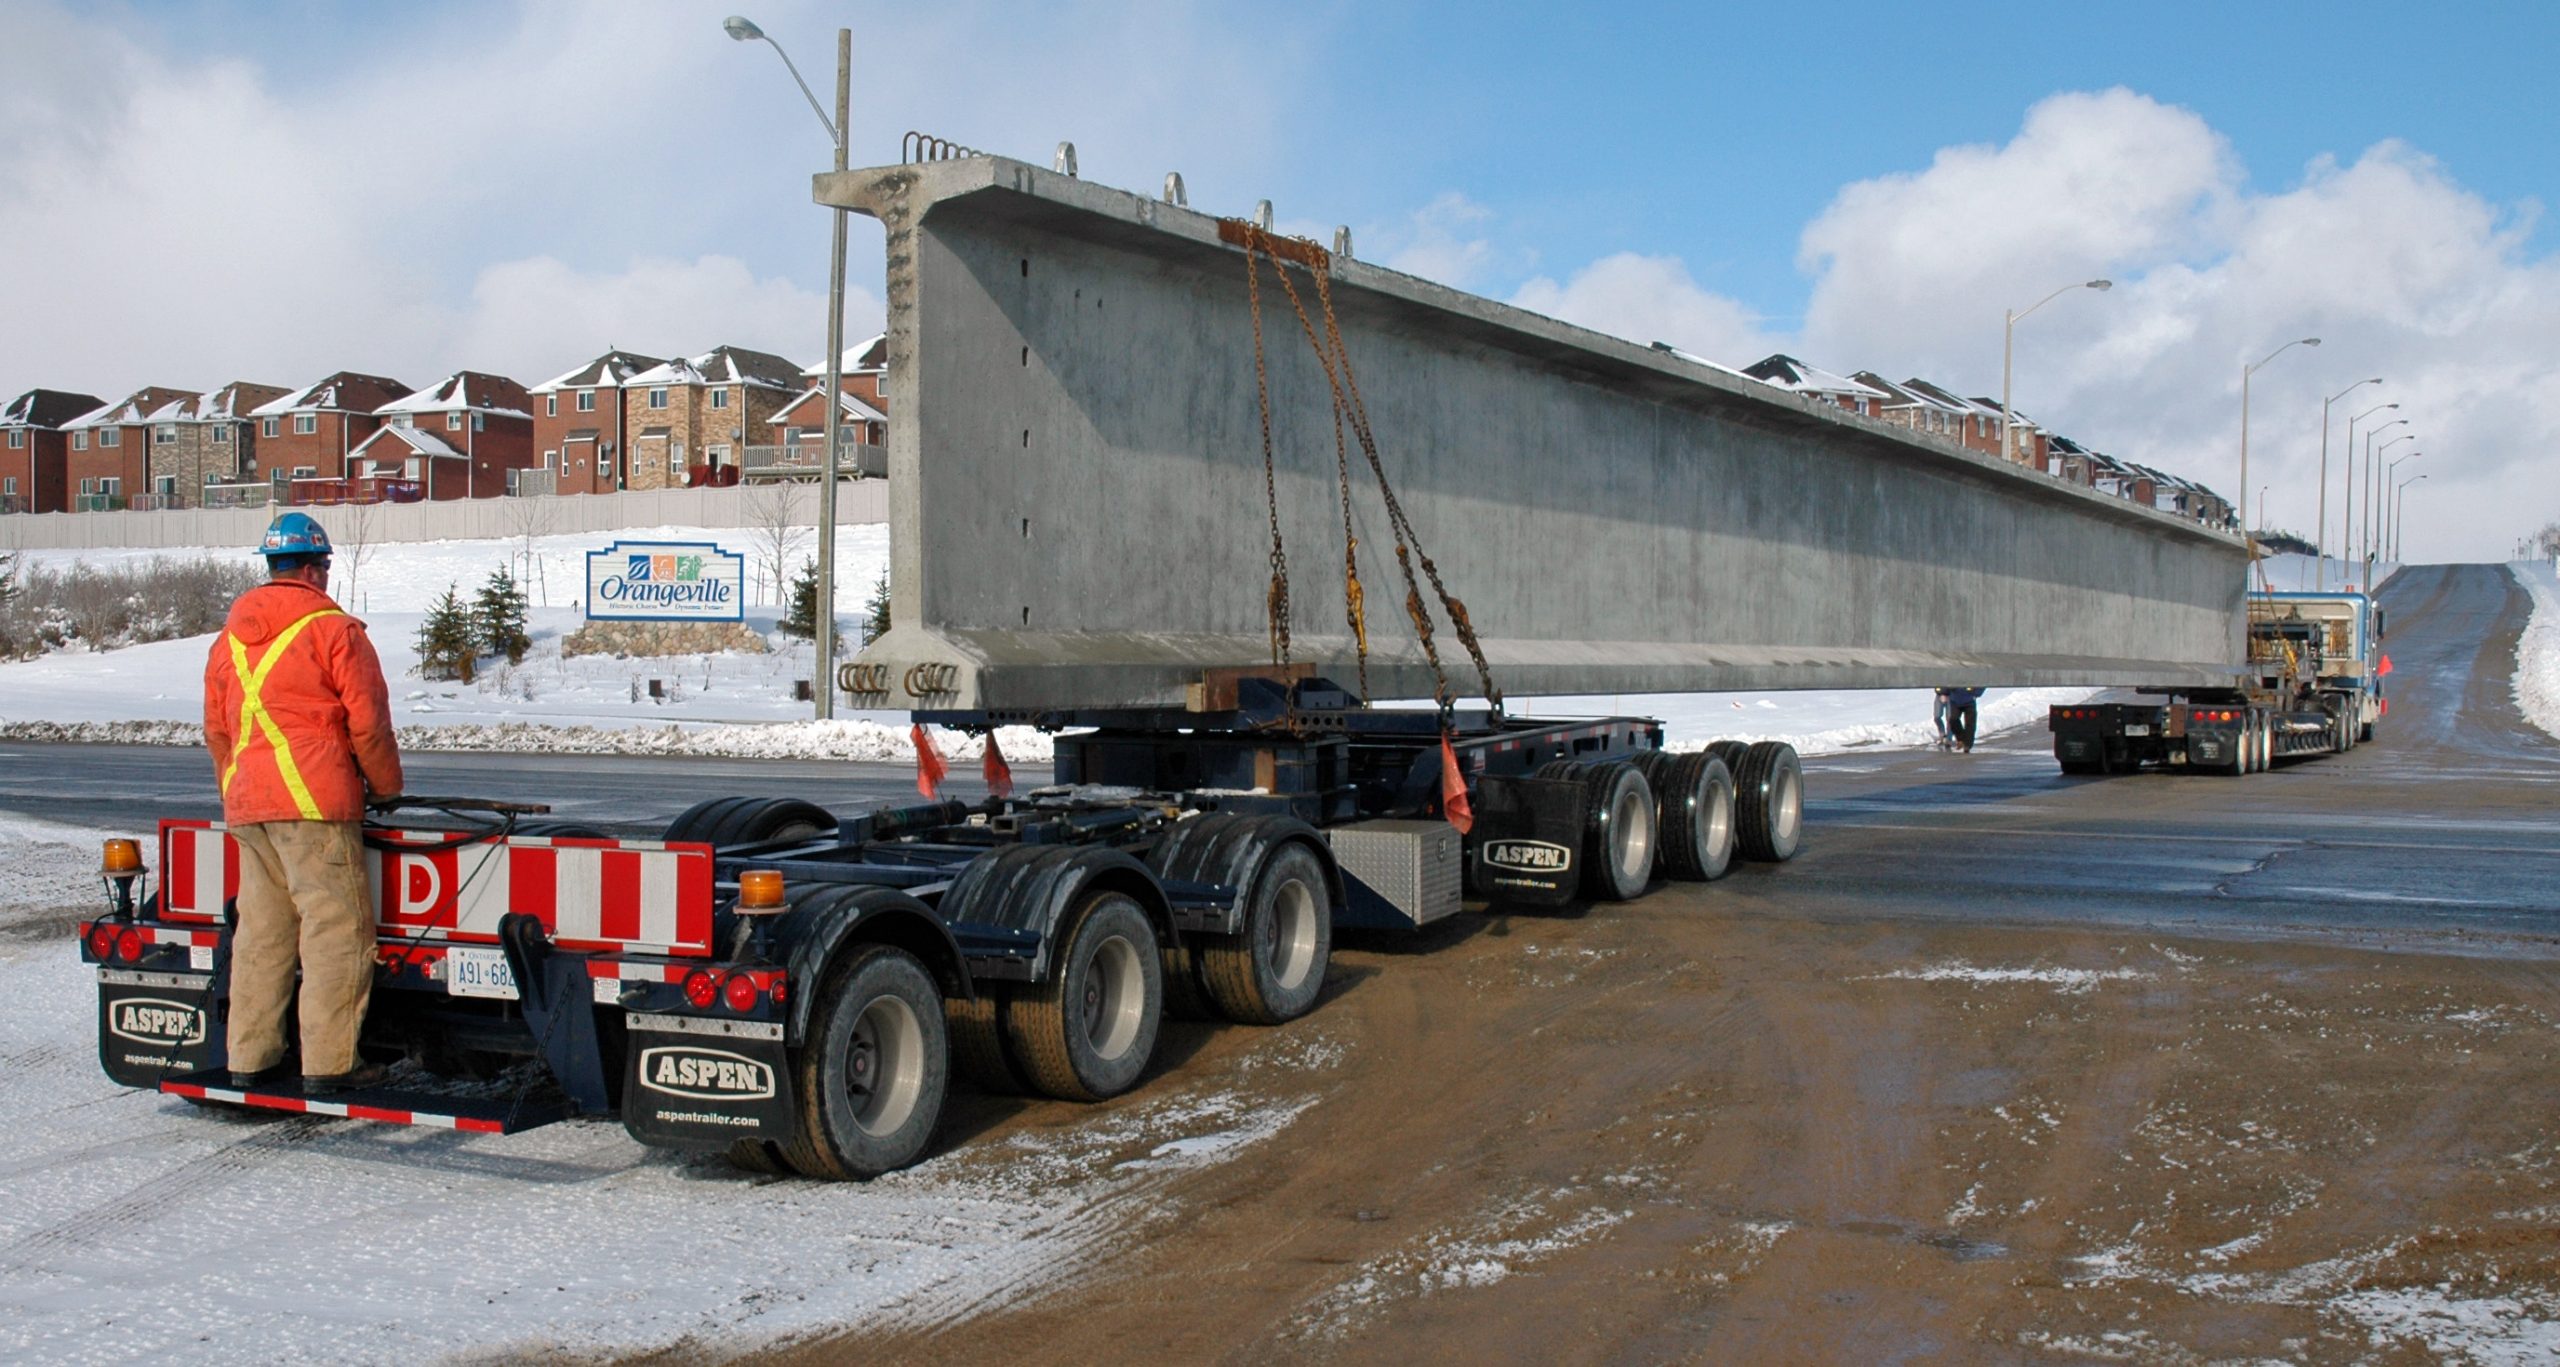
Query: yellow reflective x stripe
{"x":254,"y":718}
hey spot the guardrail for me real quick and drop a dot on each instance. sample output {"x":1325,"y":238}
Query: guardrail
{"x":256,"y":494}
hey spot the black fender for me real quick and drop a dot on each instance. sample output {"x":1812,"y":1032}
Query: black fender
{"x":1032,"y":887}
{"x":1228,"y":849}
{"x":823,"y":920}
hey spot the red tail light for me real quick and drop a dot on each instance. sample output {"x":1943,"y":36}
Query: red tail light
{"x":102,"y":941}
{"x":740,"y":992}
{"x":129,"y":945}
{"x":780,"y":990}
{"x":701,"y":989}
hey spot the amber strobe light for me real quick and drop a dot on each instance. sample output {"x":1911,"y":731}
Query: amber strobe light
{"x":760,"y":890}
{"x":122,"y":858}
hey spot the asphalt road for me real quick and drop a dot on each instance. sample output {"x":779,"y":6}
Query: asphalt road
{"x":2448,"y":825}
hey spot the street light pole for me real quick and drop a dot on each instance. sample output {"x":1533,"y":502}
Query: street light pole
{"x":2320,"y":521}
{"x":2399,"y":507}
{"x":2347,"y":485}
{"x":2008,"y":349}
{"x":2373,"y":488}
{"x":2383,"y":538}
{"x":2247,"y":536}
{"x":2262,"y":505}
{"x":823,"y":617}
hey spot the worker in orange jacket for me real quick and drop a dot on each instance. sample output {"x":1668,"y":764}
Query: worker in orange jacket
{"x":298,"y":718}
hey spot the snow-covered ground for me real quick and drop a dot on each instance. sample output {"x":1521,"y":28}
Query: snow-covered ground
{"x":737,"y":705}
{"x":2537,"y":681}
{"x":206,"y":1236}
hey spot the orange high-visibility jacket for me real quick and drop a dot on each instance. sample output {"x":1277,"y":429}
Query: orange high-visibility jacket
{"x":296,"y":711}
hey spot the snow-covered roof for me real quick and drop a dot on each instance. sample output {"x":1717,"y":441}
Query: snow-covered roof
{"x":347,"y":390}
{"x":724,"y":365}
{"x":855,"y":410}
{"x":422,"y":442}
{"x":129,"y":410}
{"x":1694,"y":359}
{"x":1788,"y":373}
{"x":468,"y":390}
{"x":49,"y":408}
{"x":608,"y":371}
{"x":1940,"y":396}
{"x":871,"y":353}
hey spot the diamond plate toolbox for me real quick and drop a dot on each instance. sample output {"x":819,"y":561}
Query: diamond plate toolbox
{"x":1399,"y":874}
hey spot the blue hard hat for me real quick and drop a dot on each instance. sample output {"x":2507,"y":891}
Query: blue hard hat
{"x":295,"y":534}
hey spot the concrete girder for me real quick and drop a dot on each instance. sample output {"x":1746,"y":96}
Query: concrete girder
{"x":1077,"y":512}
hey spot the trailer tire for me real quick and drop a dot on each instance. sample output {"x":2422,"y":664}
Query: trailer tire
{"x":873,"y":1069}
{"x":1770,"y":801}
{"x":723,"y":821}
{"x":978,"y":1052}
{"x":1731,"y":752}
{"x":760,"y":1156}
{"x":2364,"y":733}
{"x":1273,"y":968}
{"x":1186,"y":998}
{"x":1088,"y":1032}
{"x":1620,"y":834}
{"x":1694,"y":802}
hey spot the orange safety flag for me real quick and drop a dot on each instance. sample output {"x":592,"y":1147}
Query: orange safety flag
{"x":929,"y":765}
{"x":1453,"y":790}
{"x":999,"y":774}
{"x":2386,"y":665}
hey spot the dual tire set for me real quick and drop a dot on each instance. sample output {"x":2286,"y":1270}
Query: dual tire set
{"x":1684,"y":817}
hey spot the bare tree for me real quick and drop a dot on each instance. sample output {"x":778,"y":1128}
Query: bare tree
{"x":774,"y":514}
{"x":363,"y":524}
{"x":2547,"y":541}
{"x":528,"y":518}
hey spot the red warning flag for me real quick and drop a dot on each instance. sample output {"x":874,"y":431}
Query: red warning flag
{"x":2386,"y":666}
{"x":929,"y":765}
{"x":999,"y":774}
{"x":1453,"y":790}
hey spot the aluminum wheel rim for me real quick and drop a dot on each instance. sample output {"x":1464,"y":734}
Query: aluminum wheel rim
{"x":1790,"y":803}
{"x":1715,"y":829}
{"x":1631,"y":822}
{"x":1114,"y":1003}
{"x":1292,"y":952}
{"x":885,"y":1074}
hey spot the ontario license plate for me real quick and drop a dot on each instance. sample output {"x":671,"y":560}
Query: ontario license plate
{"x":2130,"y":731}
{"x":472,"y":972}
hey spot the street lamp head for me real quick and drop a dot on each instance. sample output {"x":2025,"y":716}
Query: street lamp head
{"x":742,"y":28}
{"x":2101,"y":284}
{"x":2311,"y":341}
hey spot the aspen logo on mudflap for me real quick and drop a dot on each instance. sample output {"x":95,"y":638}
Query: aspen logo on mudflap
{"x":149,"y":1020}
{"x":1528,"y":856}
{"x":705,"y":1074}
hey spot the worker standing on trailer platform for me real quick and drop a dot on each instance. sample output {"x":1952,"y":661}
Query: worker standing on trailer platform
{"x":299,"y":721}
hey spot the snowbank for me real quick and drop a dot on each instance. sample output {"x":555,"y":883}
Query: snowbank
{"x":2537,"y":678}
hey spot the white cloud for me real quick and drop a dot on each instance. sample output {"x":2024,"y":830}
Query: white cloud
{"x":1444,"y":241}
{"x":526,"y":316}
{"x":1650,"y":299}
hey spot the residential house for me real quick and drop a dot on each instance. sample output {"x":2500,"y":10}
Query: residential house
{"x":456,"y":438}
{"x":580,"y":424}
{"x":307,"y":434}
{"x":203,"y":440}
{"x":109,"y":459}
{"x":1970,"y":423}
{"x":1813,"y":382}
{"x":33,"y":445}
{"x":690,"y":420}
{"x":865,"y":372}
{"x":798,"y":438}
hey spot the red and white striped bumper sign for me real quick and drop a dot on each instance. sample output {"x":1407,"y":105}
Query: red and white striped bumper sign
{"x":640,"y":896}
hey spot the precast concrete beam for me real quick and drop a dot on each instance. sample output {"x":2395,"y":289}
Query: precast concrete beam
{"x":1078,"y":515}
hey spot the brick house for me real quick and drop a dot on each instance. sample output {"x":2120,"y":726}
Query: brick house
{"x":580,"y":425}
{"x":865,"y":371}
{"x":475,"y":428}
{"x":799,"y":432}
{"x":1813,"y":382}
{"x":308,"y":433}
{"x":691,"y":420}
{"x":33,"y":446}
{"x":204,"y":439}
{"x":109,"y":459}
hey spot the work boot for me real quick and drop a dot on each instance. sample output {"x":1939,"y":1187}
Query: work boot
{"x":263,"y":1078}
{"x":356,"y":1079}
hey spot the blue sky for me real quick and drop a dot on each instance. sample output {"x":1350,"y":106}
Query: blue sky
{"x":511,"y":184}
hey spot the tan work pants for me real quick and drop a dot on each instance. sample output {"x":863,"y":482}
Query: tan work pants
{"x":302,"y":890}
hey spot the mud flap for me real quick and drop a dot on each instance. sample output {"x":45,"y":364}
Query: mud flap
{"x":693,"y":1083}
{"x":1526,"y":845}
{"x":155,"y":1025}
